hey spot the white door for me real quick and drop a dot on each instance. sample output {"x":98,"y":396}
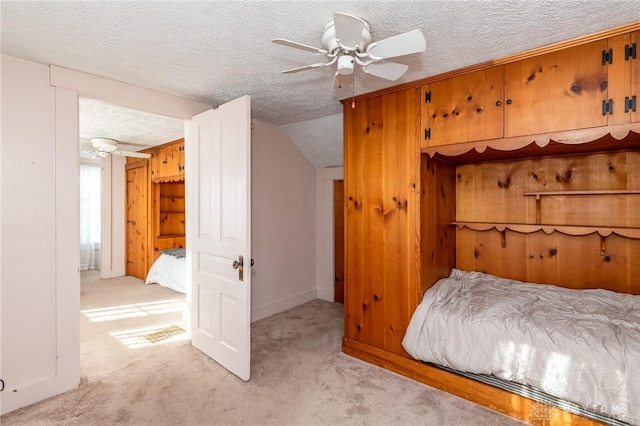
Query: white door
{"x":218,"y":190}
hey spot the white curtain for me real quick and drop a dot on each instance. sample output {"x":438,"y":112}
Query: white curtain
{"x":90,"y":189}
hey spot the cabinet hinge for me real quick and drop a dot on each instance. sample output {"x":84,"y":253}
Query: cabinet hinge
{"x":427,"y":97}
{"x":630,"y":52}
{"x":607,"y":57}
{"x":630,"y":104}
{"x":607,"y":107}
{"x":427,"y":134}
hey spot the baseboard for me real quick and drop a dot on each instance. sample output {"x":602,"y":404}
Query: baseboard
{"x":113,"y":273}
{"x":266,"y":310}
{"x":324,"y":294}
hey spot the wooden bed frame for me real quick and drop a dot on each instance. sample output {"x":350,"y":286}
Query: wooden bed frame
{"x":526,"y":208}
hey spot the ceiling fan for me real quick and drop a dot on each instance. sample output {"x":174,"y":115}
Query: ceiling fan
{"x":346,"y":41}
{"x":102,"y":147}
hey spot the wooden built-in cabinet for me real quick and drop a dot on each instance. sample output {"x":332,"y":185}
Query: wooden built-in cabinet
{"x":381,"y":198}
{"x":584,"y":86}
{"x":155,"y":206}
{"x":464,"y":108}
{"x":554,"y":199}
{"x":624,"y":79}
{"x":167,"y":161}
{"x":556,"y":91}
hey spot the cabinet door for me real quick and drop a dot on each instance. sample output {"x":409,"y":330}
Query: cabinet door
{"x":181,"y":158}
{"x":137,"y":222}
{"x":620,"y":78}
{"x":465,"y":108}
{"x":168,"y":161}
{"x":635,"y":75}
{"x":154,"y":163}
{"x":381,"y":186}
{"x":556,"y":91}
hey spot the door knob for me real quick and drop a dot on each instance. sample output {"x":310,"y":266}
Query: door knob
{"x":239,"y":265}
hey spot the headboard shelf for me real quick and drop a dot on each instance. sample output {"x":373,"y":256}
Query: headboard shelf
{"x":600,"y":192}
{"x":578,"y":192}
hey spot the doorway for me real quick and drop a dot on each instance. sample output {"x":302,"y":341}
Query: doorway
{"x":120,"y":314}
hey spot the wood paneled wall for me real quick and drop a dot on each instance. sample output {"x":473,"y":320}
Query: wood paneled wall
{"x":495,"y":192}
{"x":382,"y":208}
{"x":438,"y":210}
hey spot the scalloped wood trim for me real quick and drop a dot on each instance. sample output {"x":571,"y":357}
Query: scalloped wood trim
{"x":523,"y":228}
{"x":167,"y":179}
{"x":568,"y":137}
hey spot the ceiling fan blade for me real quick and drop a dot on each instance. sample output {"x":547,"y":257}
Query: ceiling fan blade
{"x":304,"y":68}
{"x":342,"y":80}
{"x":297,"y":45}
{"x":348,"y":29}
{"x":387,"y":70}
{"x":402,"y":44}
{"x":132,"y":154}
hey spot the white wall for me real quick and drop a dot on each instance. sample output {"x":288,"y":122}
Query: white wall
{"x":283,"y":223}
{"x":39,"y":264}
{"x":113,"y":217}
{"x":40,"y":280}
{"x":40,"y":249}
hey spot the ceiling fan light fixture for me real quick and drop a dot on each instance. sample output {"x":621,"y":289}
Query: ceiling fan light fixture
{"x":104,"y":144}
{"x":345,"y":64}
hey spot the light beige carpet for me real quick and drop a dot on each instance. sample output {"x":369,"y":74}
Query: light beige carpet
{"x":299,"y":376}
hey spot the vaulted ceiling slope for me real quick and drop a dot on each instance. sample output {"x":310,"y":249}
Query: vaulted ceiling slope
{"x":215,"y":51}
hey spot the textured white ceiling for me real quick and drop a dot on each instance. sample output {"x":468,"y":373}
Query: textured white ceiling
{"x":134,"y":130}
{"x":215,"y":51}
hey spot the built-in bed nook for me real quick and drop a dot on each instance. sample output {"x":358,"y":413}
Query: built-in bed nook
{"x":503,"y":268}
{"x":155,"y":214}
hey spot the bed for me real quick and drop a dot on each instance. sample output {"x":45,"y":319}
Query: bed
{"x":582,"y":346}
{"x":170,"y":270}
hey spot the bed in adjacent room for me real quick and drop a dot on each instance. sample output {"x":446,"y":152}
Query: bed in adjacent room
{"x":170,"y":270}
{"x":582,"y":346}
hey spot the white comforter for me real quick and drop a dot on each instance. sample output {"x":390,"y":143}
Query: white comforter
{"x":579,"y":345}
{"x":169,"y":271}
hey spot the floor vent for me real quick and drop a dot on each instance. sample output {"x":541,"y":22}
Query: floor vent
{"x":536,"y":395}
{"x":164,"y":334}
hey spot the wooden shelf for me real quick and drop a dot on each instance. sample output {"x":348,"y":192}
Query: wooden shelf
{"x":160,"y":237}
{"x":596,"y":192}
{"x":524,"y":228}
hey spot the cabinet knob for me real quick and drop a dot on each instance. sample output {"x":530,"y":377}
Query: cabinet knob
{"x":509,"y":101}
{"x":498,"y":103}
